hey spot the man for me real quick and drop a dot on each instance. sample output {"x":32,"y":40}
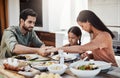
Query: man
{"x":17,"y":39}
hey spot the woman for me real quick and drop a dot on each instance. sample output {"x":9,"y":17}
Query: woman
{"x":74,"y":38}
{"x":101,"y":39}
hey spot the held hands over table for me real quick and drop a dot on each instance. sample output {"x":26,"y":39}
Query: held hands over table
{"x":52,"y":50}
{"x":44,"y":51}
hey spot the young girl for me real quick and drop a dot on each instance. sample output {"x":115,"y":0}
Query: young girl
{"x":74,"y":38}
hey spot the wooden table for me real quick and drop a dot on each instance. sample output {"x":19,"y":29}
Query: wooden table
{"x":68,"y":74}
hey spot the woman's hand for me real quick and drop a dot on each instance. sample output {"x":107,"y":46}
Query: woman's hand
{"x":83,"y":55}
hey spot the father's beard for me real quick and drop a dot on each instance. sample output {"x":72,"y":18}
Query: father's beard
{"x":28,"y":29}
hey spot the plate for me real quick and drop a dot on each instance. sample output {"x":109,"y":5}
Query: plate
{"x":29,"y":74}
{"x":101,"y":64}
{"x":43,"y":65}
{"x":67,"y":57}
{"x":41,"y":58}
{"x":27,"y":56}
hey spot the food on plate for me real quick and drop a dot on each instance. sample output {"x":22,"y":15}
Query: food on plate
{"x":66,"y":57}
{"x":20,"y":57}
{"x":90,"y":66}
{"x":9,"y":74}
{"x":50,"y":63}
{"x":45,"y":63}
{"x":32,"y":72}
{"x":14,"y":64}
{"x":48,"y":75}
{"x":26,"y":56}
{"x":56,"y":57}
{"x":57,"y":68}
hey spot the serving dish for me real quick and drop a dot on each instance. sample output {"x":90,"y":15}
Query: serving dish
{"x":84,"y":69}
{"x":101,"y":64}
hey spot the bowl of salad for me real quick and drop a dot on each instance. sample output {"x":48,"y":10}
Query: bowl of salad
{"x":85,"y":69}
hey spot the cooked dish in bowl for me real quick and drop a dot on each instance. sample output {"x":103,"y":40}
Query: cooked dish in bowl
{"x":57,"y":68}
{"x":90,"y":66}
{"x":84,"y":69}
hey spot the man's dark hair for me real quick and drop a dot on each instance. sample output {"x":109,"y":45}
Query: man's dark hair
{"x":27,"y":12}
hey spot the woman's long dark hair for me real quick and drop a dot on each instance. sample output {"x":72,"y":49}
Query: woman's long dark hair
{"x":76,"y":30}
{"x":87,"y":15}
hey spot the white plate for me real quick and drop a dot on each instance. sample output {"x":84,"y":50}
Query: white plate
{"x":41,"y":58}
{"x":43,"y":65}
{"x":101,"y":64}
{"x":66,"y":56}
{"x":40,"y":67}
{"x":30,"y":56}
{"x":30,"y":73}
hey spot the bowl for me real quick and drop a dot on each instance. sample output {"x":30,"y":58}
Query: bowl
{"x":102,"y":64}
{"x":84,"y":73}
{"x":57,"y":68}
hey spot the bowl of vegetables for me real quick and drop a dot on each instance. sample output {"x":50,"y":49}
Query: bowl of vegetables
{"x":84,"y":69}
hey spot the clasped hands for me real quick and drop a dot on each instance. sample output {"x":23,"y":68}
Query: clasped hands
{"x":47,"y":50}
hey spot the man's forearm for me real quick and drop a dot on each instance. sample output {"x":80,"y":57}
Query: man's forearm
{"x":20,"y":49}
